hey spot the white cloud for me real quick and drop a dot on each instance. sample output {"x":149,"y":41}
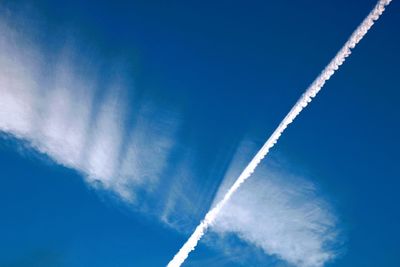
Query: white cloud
{"x":281,"y":214}
{"x":52,"y":103}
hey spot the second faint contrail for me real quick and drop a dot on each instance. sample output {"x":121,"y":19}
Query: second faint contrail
{"x":306,"y":98}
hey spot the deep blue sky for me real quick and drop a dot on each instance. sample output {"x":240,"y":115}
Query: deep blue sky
{"x":230,"y":70}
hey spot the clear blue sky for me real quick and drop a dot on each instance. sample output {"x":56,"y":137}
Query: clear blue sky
{"x":188,"y":85}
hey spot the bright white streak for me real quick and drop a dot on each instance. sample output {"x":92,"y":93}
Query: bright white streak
{"x":306,"y":98}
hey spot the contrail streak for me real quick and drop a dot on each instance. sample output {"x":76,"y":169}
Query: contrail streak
{"x":306,"y":98}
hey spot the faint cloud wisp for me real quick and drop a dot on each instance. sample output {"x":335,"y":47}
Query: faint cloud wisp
{"x":282,"y":214}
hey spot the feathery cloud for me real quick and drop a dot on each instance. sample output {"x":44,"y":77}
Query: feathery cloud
{"x":55,"y":105}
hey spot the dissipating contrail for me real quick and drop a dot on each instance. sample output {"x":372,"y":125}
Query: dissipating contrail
{"x":306,"y":98}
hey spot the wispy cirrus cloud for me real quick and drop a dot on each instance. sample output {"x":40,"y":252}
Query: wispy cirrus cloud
{"x":63,"y":107}
{"x":283,"y":215}
{"x":280,"y":212}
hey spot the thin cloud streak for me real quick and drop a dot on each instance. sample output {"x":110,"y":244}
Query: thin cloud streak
{"x":306,"y":98}
{"x":279,"y":212}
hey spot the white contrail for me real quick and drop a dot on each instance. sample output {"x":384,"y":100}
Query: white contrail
{"x":306,"y":98}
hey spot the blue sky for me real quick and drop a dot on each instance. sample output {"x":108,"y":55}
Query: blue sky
{"x":123,"y":122}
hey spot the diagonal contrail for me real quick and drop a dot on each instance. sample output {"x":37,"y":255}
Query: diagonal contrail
{"x":306,"y":98}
